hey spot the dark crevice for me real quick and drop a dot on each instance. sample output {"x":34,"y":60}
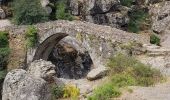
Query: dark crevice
{"x":70,"y":64}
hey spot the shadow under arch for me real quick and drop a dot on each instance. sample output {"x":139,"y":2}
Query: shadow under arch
{"x":46,"y":47}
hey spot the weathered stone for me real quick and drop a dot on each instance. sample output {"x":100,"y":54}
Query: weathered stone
{"x":97,"y":73}
{"x":19,"y":85}
{"x":2,"y":13}
{"x":100,"y":41}
{"x":160,"y":16}
{"x":45,"y":4}
{"x":42,"y":69}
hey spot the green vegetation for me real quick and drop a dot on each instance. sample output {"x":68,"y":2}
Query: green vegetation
{"x":127,"y":3}
{"x":67,"y":91}
{"x":4,"y":53}
{"x":154,"y":39}
{"x":105,"y":92}
{"x":125,"y":71}
{"x":31,"y":37}
{"x":57,"y":92}
{"x":71,"y":92}
{"x":138,"y":20}
{"x":28,"y":12}
{"x":62,"y":11}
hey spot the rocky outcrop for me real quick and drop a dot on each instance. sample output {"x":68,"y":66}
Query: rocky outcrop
{"x":161,"y":16}
{"x":20,"y":85}
{"x":105,"y":12}
{"x":161,"y":21}
{"x":29,"y":85}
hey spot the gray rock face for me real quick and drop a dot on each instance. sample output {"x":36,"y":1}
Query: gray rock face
{"x":42,"y":69}
{"x":160,"y":18}
{"x":19,"y":85}
{"x":105,"y":12}
{"x":97,"y":73}
{"x":161,"y":21}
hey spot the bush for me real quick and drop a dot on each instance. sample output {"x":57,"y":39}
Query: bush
{"x":138,"y":20}
{"x":154,"y":39}
{"x":57,"y":92}
{"x":4,"y":53}
{"x":105,"y":92}
{"x":31,"y":37}
{"x":122,"y":80}
{"x":127,"y":3}
{"x":71,"y":92}
{"x":3,"y":39}
{"x":127,"y":64}
{"x":62,"y":11}
{"x":28,"y":12}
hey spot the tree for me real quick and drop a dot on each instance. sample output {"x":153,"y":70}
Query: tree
{"x":28,"y":12}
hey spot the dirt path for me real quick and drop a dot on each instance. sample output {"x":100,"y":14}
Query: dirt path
{"x":158,"y":92}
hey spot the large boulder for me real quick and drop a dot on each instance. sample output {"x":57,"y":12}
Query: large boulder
{"x":97,"y":73}
{"x":20,"y":85}
{"x":29,"y":85}
{"x":42,"y":69}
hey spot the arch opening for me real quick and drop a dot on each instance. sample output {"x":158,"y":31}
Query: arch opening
{"x":65,"y":54}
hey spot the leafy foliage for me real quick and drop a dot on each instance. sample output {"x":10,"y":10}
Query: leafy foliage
{"x":4,"y":53}
{"x":127,"y":3}
{"x":127,"y":64}
{"x":31,"y":36}
{"x":67,"y":91}
{"x":138,"y":20}
{"x":57,"y":92}
{"x":154,"y":39}
{"x":62,"y":11}
{"x":28,"y":12}
{"x":105,"y":92}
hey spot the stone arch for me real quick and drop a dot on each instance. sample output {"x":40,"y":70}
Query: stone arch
{"x":45,"y":48}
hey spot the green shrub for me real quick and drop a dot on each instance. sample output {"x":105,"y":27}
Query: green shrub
{"x":31,"y":36}
{"x":2,"y":74}
{"x":122,"y":80}
{"x":4,"y":53}
{"x":28,"y":12}
{"x":139,"y":71}
{"x":3,"y":39}
{"x":127,"y":3}
{"x":105,"y":92}
{"x":62,"y":11}
{"x":57,"y":92}
{"x":154,"y":39}
{"x":138,"y":20}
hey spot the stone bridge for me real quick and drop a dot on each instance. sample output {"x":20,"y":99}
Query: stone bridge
{"x":100,"y":41}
